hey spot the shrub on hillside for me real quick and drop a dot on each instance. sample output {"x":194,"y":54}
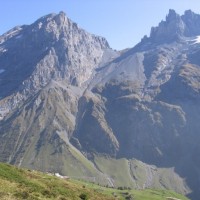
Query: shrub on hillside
{"x":84,"y":196}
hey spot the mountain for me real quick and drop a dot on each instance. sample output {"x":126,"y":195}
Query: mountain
{"x":71,"y":104}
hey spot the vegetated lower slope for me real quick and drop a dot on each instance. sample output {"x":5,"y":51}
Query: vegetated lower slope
{"x":16,"y":183}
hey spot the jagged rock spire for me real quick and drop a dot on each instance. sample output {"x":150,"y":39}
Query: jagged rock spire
{"x":175,"y":27}
{"x":192,"y":23}
{"x":169,"y":30}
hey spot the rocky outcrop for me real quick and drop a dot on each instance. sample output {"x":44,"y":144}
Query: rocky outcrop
{"x":192,"y":23}
{"x":169,"y":30}
{"x":175,"y":27}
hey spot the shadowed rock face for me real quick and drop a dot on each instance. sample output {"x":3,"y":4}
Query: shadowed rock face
{"x":68,"y":99}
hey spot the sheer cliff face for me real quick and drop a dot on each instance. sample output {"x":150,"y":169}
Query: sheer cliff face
{"x":52,"y":48}
{"x":67,"y":97}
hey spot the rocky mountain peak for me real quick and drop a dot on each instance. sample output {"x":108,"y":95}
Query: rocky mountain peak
{"x":54,"y":26}
{"x":175,"y":27}
{"x":62,"y":15}
{"x":61,"y":20}
{"x":52,"y":48}
{"x":172,"y":15}
{"x":189,"y":13}
{"x":169,"y":30}
{"x":192,"y":23}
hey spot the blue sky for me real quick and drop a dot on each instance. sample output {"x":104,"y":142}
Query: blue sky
{"x":122,"y":22}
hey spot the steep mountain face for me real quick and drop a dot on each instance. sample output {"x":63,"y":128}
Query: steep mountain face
{"x":69,"y":103}
{"x":45,"y":68}
{"x":52,"y":48}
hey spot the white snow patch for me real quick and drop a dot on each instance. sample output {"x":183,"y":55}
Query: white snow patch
{"x":1,"y":71}
{"x":195,"y":40}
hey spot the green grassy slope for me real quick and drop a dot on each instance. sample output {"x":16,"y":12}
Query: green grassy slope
{"x":31,"y":185}
{"x":138,"y":175}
